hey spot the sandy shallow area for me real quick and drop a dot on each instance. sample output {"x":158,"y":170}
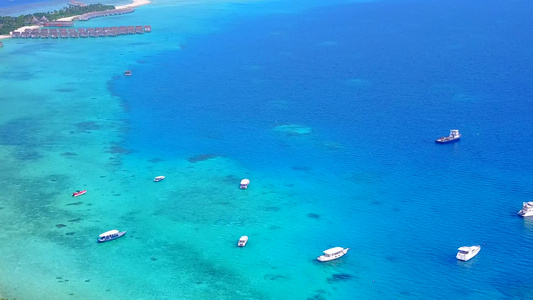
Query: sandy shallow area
{"x":134,"y":4}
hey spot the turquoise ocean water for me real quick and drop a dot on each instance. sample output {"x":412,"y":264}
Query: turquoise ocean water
{"x":330,"y":108}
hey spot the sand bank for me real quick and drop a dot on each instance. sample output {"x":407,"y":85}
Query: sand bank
{"x":134,"y":4}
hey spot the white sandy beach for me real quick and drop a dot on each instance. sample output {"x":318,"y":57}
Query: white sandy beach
{"x":7,"y":36}
{"x":135,"y":3}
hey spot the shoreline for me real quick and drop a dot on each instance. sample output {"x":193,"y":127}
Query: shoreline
{"x":135,"y":3}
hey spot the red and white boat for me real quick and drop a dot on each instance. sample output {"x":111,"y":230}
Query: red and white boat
{"x":78,"y":193}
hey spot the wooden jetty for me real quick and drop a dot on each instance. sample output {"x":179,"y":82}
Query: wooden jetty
{"x":65,"y":33}
{"x":105,"y":13}
{"x":58,"y":24}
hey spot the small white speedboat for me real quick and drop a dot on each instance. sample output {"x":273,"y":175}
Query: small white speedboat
{"x":110,"y":235}
{"x":159,"y":178}
{"x":245,"y":183}
{"x":467,"y":252}
{"x":242,"y":241}
{"x":332,"y":254}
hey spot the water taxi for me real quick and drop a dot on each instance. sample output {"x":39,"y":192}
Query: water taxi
{"x":110,"y":235}
{"x":333,"y":253}
{"x":159,"y":178}
{"x":527,"y":209}
{"x":78,"y":193}
{"x":465,"y":253}
{"x":242,"y":241}
{"x":454,"y":136}
{"x":245,"y":183}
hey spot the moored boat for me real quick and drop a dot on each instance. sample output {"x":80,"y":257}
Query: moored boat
{"x":159,"y":178}
{"x":527,"y":209}
{"x":110,"y":235}
{"x":467,"y":252}
{"x":242,"y":241}
{"x":245,"y":183}
{"x":454,"y":136}
{"x":333,"y":253}
{"x":78,"y":193}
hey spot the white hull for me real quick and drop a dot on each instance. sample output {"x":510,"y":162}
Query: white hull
{"x":525,"y":214}
{"x":242,"y":241}
{"x":527,"y":210}
{"x":332,"y":257}
{"x":467,"y":256}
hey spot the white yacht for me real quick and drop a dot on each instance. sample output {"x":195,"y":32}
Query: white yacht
{"x":527,"y":209}
{"x":465,"y":253}
{"x":242,"y":241}
{"x":159,"y":178}
{"x":245,"y":183}
{"x":332,"y":254}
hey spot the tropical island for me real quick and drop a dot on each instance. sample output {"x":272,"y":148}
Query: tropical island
{"x":9,"y":24}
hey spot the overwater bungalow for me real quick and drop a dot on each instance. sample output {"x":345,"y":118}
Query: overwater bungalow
{"x":63,"y":33}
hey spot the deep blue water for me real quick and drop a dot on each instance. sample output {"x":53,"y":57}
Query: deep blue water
{"x":376,"y":83}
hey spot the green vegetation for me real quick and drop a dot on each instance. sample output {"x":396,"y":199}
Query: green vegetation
{"x":8,"y":24}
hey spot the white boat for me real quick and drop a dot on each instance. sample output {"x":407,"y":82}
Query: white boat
{"x":527,"y":209}
{"x":159,"y":178}
{"x":465,"y":253}
{"x":110,"y":235}
{"x":454,"y":136}
{"x":245,"y":183}
{"x":242,"y":241}
{"x":332,"y":254}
